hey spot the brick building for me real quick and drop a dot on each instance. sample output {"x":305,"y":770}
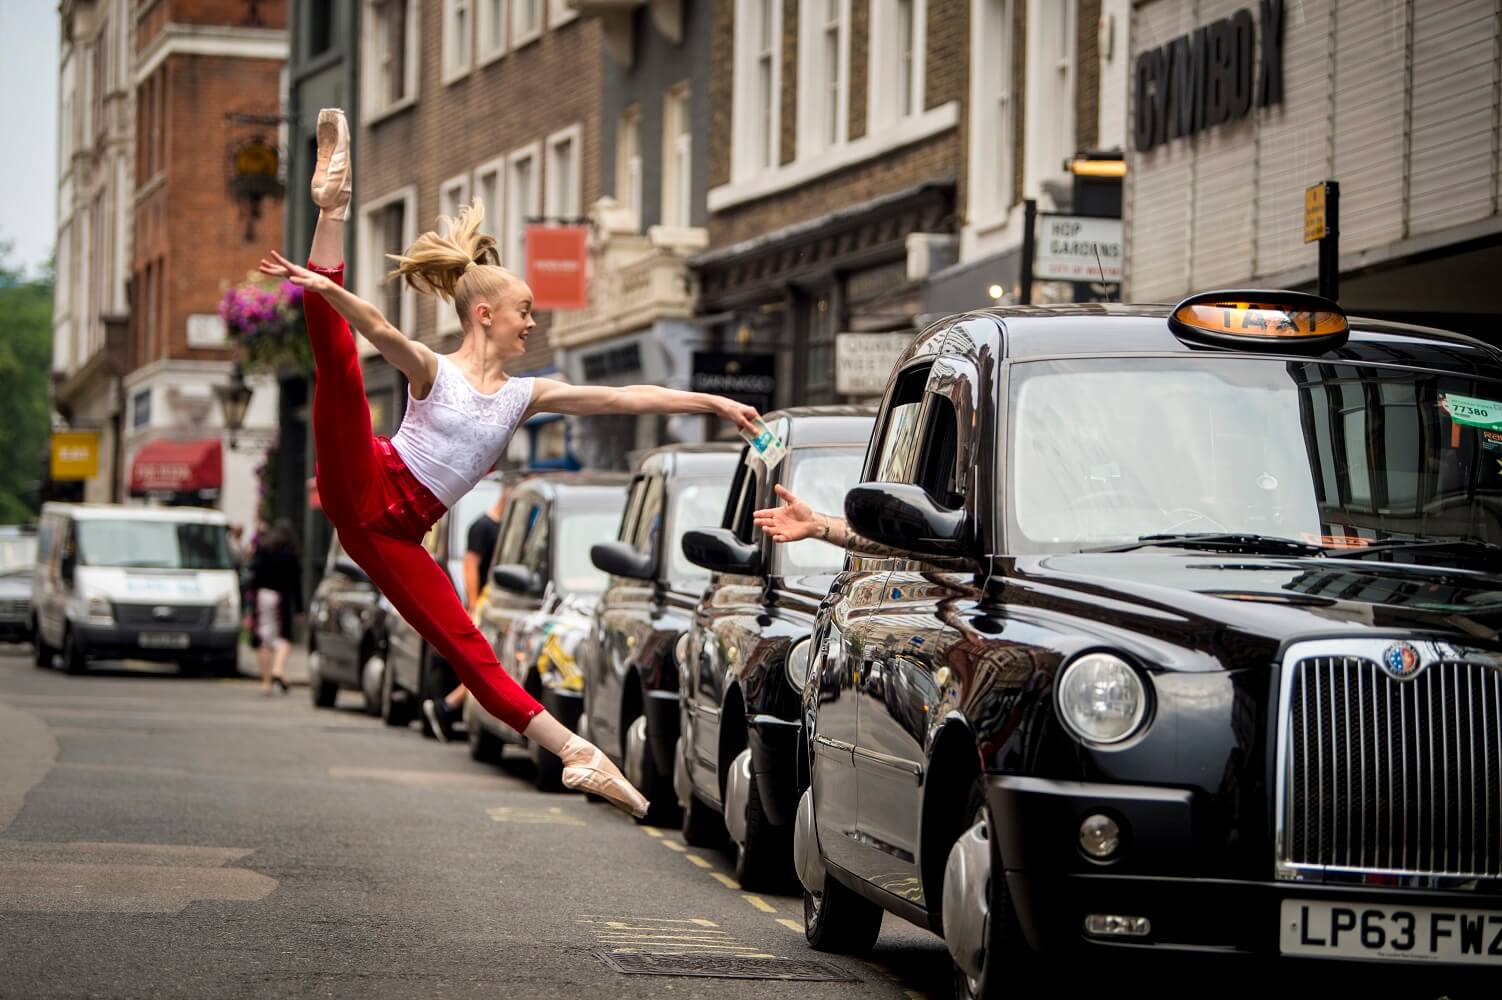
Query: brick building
{"x":207,"y":76}
{"x":465,"y":98}
{"x":94,"y":217}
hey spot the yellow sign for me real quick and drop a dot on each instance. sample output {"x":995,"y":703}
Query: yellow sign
{"x":75,"y":455}
{"x":1314,"y":213}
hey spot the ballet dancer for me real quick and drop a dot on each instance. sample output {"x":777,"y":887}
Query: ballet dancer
{"x":382,"y":494}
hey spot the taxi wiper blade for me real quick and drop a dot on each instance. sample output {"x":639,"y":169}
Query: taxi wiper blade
{"x":1413,"y":544}
{"x":1224,"y":541}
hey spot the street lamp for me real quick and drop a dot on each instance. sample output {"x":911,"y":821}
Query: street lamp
{"x":234,"y":400}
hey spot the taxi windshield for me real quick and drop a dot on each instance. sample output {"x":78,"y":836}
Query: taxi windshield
{"x":1108,"y":450}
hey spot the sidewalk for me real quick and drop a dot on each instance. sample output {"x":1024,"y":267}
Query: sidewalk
{"x":297,"y":663}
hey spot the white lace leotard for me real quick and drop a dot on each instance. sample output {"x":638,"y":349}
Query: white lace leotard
{"x":454,"y":435}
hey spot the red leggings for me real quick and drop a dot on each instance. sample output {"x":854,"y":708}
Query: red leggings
{"x":381,"y":512}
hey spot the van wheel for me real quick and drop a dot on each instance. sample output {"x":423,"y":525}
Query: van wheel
{"x":75,"y":660}
{"x":837,"y":920}
{"x":41,"y":653}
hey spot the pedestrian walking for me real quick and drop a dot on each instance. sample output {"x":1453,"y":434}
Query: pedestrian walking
{"x":480,"y":541}
{"x":276,"y":578}
{"x":383,"y":494}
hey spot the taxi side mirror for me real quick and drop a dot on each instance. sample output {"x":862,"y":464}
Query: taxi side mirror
{"x":621,"y":559}
{"x":345,"y":567}
{"x":719,"y":551}
{"x":516,"y":578}
{"x":905,"y":517}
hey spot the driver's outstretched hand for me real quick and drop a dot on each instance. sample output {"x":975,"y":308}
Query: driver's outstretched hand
{"x":793,"y":521}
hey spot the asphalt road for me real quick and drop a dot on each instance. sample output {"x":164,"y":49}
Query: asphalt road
{"x":172,"y":837}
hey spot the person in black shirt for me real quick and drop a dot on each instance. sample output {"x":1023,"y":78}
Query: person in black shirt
{"x":478,"y":549}
{"x":276,"y":578}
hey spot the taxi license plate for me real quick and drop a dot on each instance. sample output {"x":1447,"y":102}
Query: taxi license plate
{"x":164,"y":640}
{"x":1407,"y":933}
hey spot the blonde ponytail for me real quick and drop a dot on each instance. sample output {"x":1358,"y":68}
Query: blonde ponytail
{"x":461,"y":265}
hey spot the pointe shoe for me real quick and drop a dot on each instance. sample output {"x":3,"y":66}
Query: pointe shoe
{"x":586,"y":768}
{"x":333,"y":176}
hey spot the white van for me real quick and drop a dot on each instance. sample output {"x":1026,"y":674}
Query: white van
{"x":151,"y":583}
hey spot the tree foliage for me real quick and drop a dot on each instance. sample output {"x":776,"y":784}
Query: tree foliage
{"x":25,"y":362}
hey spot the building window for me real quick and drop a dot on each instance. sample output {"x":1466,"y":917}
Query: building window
{"x":390,"y":46}
{"x":458,"y":39}
{"x":628,"y":162}
{"x":522,"y":204}
{"x":563,"y":201}
{"x":490,"y":182}
{"x":320,"y":26}
{"x":1050,"y":91}
{"x":387,"y":226}
{"x":824,"y":62}
{"x":492,"y":30}
{"x":678,"y":157}
{"x":140,"y":409}
{"x":526,"y":21}
{"x":755,"y":105}
{"x":453,"y":195}
{"x":993,"y":115}
{"x":898,"y":36}
{"x":560,"y":13}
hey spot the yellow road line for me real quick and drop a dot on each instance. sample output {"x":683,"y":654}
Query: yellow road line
{"x":672,"y":846}
{"x":651,"y":831}
{"x":791,"y":925}
{"x":695,"y":859}
{"x":725,"y":880}
{"x":589,"y":918}
{"x":760,"y":904}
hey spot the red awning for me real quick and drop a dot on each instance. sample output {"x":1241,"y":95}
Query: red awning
{"x":178,"y":467}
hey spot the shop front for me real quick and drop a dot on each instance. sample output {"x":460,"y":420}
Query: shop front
{"x":1236,"y":115}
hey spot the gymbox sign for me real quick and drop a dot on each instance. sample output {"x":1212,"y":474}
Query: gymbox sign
{"x":556,"y":266}
{"x":1209,"y":76}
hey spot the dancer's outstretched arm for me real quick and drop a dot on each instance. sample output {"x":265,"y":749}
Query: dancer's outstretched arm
{"x":415,"y":360}
{"x":551,"y":396}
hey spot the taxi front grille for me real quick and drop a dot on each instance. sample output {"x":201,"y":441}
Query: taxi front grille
{"x":1389,"y":776}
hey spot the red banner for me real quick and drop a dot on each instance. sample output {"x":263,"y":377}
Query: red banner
{"x":556,"y":266}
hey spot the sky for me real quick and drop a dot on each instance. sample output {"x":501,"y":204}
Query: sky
{"x":28,"y":118}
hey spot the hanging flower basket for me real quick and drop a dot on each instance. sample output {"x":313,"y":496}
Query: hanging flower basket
{"x":265,"y":319}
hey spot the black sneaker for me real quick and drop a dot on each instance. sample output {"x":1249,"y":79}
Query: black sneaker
{"x":440,"y":718}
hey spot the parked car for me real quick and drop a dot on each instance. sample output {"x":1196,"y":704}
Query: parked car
{"x":347,"y":633}
{"x":737,"y":754}
{"x":542,"y":557}
{"x":1197,"y":649}
{"x":18,"y":546}
{"x":630,"y":675}
{"x":148,"y":583}
{"x":414,"y":671}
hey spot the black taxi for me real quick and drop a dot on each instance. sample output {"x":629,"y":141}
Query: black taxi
{"x":1174,"y":628}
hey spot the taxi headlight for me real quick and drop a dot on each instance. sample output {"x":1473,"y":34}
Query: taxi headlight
{"x":1101,"y":699}
{"x":797,"y":663}
{"x":226,"y":612}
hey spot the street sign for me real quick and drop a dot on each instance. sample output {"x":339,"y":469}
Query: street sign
{"x":557,"y":266}
{"x":1077,"y":248}
{"x":1314,"y":213}
{"x":864,"y":361}
{"x":75,"y":455}
{"x":745,"y":378}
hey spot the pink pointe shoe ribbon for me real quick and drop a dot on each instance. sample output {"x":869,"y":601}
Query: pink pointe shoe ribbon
{"x":587,"y":769}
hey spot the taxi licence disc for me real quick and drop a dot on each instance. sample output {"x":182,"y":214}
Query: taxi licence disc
{"x":1400,"y":933}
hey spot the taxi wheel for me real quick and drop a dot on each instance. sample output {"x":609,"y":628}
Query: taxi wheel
{"x":548,"y":776}
{"x":702,"y":826}
{"x":1006,"y":949}
{"x":484,"y":746}
{"x":396,"y":706}
{"x":765,"y":860}
{"x":837,"y":920}
{"x":41,"y":653}
{"x":324,"y":693}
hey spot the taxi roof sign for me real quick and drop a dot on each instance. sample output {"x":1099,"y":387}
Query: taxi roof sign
{"x":1260,"y":321}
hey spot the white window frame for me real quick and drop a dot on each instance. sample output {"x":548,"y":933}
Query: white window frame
{"x":560,"y":13}
{"x":554,"y":196}
{"x":629,"y":166}
{"x":373,"y":105}
{"x":813,"y":98}
{"x":485,"y":54}
{"x":520,"y":37}
{"x":373,"y":262}
{"x":993,"y":111}
{"x":515,"y":243}
{"x":884,"y":108}
{"x":1051,"y":34}
{"x":677,"y":208}
{"x":748,"y":154}
{"x":458,"y":59}
{"x":495,"y":211}
{"x":453,"y":194}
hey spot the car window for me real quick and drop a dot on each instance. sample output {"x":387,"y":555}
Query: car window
{"x":901,"y":433}
{"x":627,"y":531}
{"x":153,"y":544}
{"x":937,"y":470}
{"x":535,"y":548}
{"x":17,"y":552}
{"x":695,"y":504}
{"x":737,"y":491}
{"x":578,"y":532}
{"x":519,"y":516}
{"x":649,"y":525}
{"x":820,"y":477}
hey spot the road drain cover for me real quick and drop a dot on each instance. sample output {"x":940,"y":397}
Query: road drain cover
{"x":723,"y":967}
